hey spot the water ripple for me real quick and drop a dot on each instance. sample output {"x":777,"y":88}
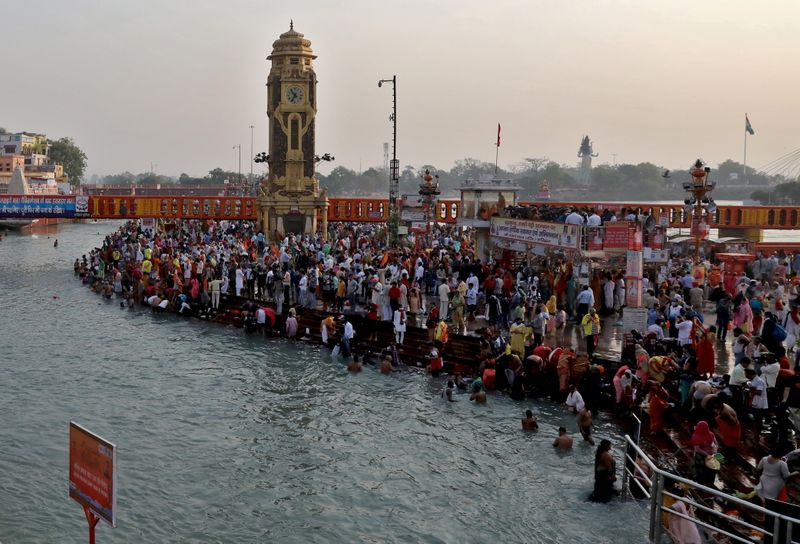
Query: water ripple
{"x":224,"y":438}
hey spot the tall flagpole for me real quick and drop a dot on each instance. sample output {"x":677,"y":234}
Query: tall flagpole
{"x":745,"y":150}
{"x":497,"y":150}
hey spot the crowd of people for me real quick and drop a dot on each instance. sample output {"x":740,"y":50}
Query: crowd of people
{"x":538,"y":323}
{"x":435,"y":281}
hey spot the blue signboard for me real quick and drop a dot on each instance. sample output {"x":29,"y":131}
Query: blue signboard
{"x":38,"y":206}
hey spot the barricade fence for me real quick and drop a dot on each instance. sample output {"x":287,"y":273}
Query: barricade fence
{"x":642,"y":477}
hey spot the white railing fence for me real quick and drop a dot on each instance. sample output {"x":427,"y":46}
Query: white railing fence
{"x":642,"y":477}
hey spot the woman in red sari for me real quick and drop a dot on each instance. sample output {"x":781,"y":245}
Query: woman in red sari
{"x":659,"y":400}
{"x":706,"y":358}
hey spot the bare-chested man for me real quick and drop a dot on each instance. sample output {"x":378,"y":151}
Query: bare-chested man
{"x":478,"y":395}
{"x":386,"y":366}
{"x":355,"y":364}
{"x":585,"y":425}
{"x":700,"y":390}
{"x":563,"y":441}
{"x":529,"y":422}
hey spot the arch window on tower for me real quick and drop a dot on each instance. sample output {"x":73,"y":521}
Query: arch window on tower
{"x":294,"y":133}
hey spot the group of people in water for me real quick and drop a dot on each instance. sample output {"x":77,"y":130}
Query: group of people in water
{"x":539,"y":326}
{"x":199,"y":268}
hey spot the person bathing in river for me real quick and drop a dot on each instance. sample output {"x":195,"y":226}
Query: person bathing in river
{"x":529,"y":422}
{"x":575,"y":401}
{"x":448,"y":391}
{"x":291,"y":324}
{"x":585,"y":425}
{"x":478,"y":394}
{"x":386,"y":365}
{"x":563,"y":441}
{"x":605,"y":473}
{"x":355,"y":364}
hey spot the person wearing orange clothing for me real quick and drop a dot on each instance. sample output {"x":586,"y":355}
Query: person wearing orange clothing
{"x":714,"y":278}
{"x":706,"y":354}
{"x":730,"y":430}
{"x":658,"y":402}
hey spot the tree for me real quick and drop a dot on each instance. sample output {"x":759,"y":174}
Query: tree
{"x":125,"y":178}
{"x":71,"y":157}
{"x":762,"y":197}
{"x":339,"y":181}
{"x":217,"y":176}
{"x":788,"y":193}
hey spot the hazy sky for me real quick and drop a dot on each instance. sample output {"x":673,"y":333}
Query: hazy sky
{"x":178,"y":82}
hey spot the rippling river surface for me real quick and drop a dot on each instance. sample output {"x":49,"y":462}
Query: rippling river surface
{"x":225,"y":438}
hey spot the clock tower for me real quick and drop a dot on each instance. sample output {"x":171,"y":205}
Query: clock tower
{"x":291,"y":200}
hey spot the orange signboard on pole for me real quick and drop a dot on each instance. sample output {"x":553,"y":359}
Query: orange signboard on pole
{"x":93,"y":475}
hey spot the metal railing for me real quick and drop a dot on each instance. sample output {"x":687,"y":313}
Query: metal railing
{"x":653,"y":484}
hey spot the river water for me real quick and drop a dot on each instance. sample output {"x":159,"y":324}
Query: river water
{"x":225,"y":438}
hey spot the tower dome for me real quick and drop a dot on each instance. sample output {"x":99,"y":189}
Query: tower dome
{"x":292,"y":44}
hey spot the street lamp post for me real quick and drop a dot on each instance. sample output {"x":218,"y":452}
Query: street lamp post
{"x":394,"y":167}
{"x":699,"y":204}
{"x":239,"y":174}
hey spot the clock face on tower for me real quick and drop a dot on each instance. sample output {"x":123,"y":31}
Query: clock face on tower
{"x":294,"y":95}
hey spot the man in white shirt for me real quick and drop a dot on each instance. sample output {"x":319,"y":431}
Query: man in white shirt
{"x":215,"y":286}
{"x":261,"y":318}
{"x":739,"y":373}
{"x":656,"y":329}
{"x":377,"y":293}
{"x":472,"y":281}
{"x":684,"y":327}
{"x":303,"y":289}
{"x":583,"y":302}
{"x":759,"y":403}
{"x":347,"y":335}
{"x":444,"y":299}
{"x":574,"y":218}
{"x":575,"y":400}
{"x":419,"y":272}
{"x":594,"y":220}
{"x":769,"y":371}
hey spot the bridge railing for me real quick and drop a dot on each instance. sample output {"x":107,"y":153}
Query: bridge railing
{"x":173,"y":207}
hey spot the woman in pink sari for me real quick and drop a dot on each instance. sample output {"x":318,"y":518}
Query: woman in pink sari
{"x":742,"y":313}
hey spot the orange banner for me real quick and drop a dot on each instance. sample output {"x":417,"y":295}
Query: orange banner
{"x":92,"y":472}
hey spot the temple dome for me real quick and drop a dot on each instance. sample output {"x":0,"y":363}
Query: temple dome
{"x":292,"y":42}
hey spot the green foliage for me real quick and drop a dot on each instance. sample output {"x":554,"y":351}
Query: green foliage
{"x":622,"y":182}
{"x":71,"y":157}
{"x":762,"y":197}
{"x":152,"y":179}
{"x":124,"y":178}
{"x":787,"y":193}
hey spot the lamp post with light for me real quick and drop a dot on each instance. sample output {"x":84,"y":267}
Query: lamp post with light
{"x":699,"y":204}
{"x":394,"y":168}
{"x":239,"y":174}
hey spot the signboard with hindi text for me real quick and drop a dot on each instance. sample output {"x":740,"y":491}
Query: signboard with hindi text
{"x":616,"y":236}
{"x":93,"y":472}
{"x":536,"y":233}
{"x":43,"y":206}
{"x":634,"y":318}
